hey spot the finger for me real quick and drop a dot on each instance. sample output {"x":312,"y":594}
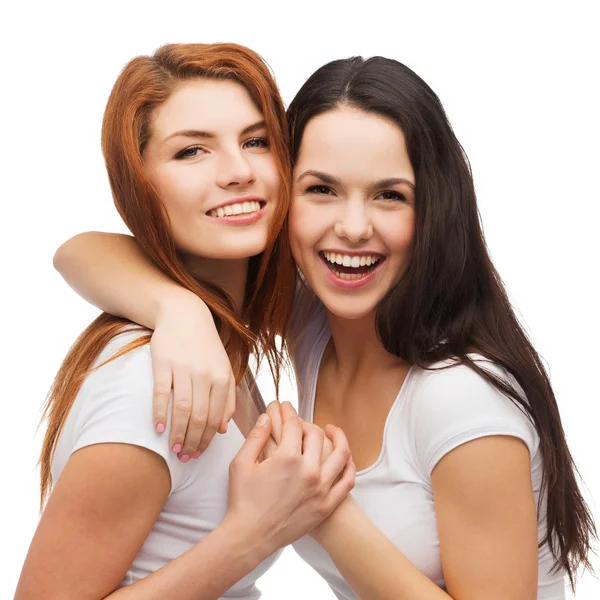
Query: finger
{"x":288,"y":410}
{"x":255,"y":441}
{"x":270,"y":446}
{"x":343,"y":486}
{"x":327,"y":446}
{"x":291,"y":436}
{"x":274,"y":411}
{"x":337,"y":460}
{"x":312,"y":446}
{"x":198,"y":418}
{"x":216,"y":408}
{"x":181,"y":411}
{"x":230,"y":404}
{"x":161,"y":394}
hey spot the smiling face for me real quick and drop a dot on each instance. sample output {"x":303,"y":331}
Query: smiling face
{"x":209,"y":160}
{"x":352,"y":218}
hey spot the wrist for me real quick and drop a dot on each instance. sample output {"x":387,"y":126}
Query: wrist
{"x":250,"y":543}
{"x":327,"y":528}
{"x":177,"y":303}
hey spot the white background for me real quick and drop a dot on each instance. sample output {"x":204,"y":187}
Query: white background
{"x":519,"y":82}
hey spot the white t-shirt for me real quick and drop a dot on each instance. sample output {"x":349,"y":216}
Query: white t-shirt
{"x":434,"y":412}
{"x":115,"y":405}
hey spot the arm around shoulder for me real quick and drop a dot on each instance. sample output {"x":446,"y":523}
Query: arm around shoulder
{"x":110,"y":271}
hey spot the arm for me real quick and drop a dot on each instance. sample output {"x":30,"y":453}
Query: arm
{"x":487,"y":526}
{"x":89,"y":534}
{"x":93,"y":527}
{"x":110,"y":271}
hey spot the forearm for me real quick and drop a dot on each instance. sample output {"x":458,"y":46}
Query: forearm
{"x":371,"y":565}
{"x":205,"y":572}
{"x":110,"y":271}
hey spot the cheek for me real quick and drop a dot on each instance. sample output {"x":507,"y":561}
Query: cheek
{"x":398,"y":234}
{"x":266,"y":169}
{"x":179,"y":192}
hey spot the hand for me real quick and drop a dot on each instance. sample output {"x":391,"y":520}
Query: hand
{"x":188,"y":356}
{"x":290,"y":492}
{"x":274,"y":410}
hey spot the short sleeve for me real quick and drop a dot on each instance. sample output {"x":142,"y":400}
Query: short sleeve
{"x":115,"y":406}
{"x":457,"y":405}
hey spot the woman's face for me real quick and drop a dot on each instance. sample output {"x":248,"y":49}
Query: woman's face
{"x":209,"y":159}
{"x":352,"y":218}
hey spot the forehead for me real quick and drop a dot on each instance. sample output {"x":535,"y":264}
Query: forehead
{"x":352,"y":141}
{"x":206,"y":105}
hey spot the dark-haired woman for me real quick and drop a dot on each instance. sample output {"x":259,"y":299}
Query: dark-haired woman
{"x":402,"y":335}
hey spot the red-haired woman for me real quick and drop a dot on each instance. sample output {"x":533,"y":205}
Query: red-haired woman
{"x":190,"y":133}
{"x":403,"y":335}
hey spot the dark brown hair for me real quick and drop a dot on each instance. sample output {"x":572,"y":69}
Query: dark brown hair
{"x":451,"y":300}
{"x":143,"y":85}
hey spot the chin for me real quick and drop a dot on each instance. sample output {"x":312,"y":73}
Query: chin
{"x":351,"y":309}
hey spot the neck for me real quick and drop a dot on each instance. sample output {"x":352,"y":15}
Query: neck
{"x":356,"y":350}
{"x":228,"y":274}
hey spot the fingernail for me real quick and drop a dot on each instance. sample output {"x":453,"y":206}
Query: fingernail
{"x":160,"y":428}
{"x":177,"y":448}
{"x":184,"y":458}
{"x":197,"y":454}
{"x":262,"y":420}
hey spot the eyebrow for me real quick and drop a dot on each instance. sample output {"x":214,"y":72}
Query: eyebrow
{"x":197,"y":133}
{"x":381,"y":183}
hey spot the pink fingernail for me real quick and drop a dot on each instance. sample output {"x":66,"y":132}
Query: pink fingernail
{"x":184,"y":458}
{"x":197,"y":454}
{"x":177,"y":448}
{"x":160,"y":428}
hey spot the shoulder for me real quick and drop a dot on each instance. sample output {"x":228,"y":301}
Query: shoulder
{"x":452,"y":404}
{"x":114,"y":404}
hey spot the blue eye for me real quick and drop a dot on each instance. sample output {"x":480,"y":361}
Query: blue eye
{"x":258,"y":142}
{"x":189,"y":152}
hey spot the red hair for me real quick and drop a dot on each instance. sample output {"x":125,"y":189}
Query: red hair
{"x":143,"y":85}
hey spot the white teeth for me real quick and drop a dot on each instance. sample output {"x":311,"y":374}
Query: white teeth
{"x":351,"y":261}
{"x":239,"y":208}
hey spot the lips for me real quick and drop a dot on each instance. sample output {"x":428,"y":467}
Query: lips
{"x":350,"y":277}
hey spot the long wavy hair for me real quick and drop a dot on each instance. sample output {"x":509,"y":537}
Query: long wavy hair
{"x":144,"y":84}
{"x":451,"y":301}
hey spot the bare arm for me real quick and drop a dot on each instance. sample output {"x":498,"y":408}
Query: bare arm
{"x":110,"y":271}
{"x":487,"y":526}
{"x":93,"y":526}
{"x":109,"y":495}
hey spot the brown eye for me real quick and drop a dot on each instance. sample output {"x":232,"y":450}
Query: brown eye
{"x":392,"y":196}
{"x":319,"y":189}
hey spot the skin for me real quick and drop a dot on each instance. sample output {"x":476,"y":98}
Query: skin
{"x":92,"y":528}
{"x":483,"y":494}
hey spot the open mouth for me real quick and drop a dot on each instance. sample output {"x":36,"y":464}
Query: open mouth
{"x":351,"y":267}
{"x":237,"y":209}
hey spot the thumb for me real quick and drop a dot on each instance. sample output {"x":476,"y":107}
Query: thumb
{"x":256,"y":440}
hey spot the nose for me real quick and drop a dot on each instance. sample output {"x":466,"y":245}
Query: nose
{"x":234,"y":169}
{"x":354,"y":223}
